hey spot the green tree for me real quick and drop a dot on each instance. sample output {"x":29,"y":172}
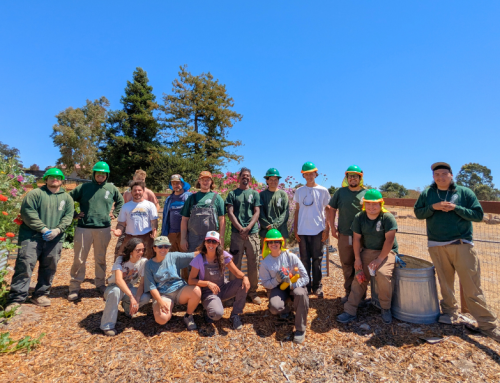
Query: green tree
{"x":478,"y":178}
{"x":132,"y":133}
{"x":78,"y":134}
{"x":332,"y":190}
{"x":7,"y":152}
{"x":393,"y":190}
{"x":196,"y":117}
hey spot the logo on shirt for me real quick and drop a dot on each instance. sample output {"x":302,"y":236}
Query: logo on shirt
{"x":208,"y":201}
{"x":106,"y":195}
{"x":454,"y":198}
{"x":250,"y":198}
{"x":279,"y":202}
{"x":139,"y":212}
{"x":379,"y":225}
{"x":61,"y":205}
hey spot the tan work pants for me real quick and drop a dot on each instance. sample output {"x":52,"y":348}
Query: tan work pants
{"x":463,"y":259}
{"x":346,"y":255}
{"x":383,"y":277}
{"x":175,"y":241}
{"x":84,"y":238}
{"x":146,"y":240}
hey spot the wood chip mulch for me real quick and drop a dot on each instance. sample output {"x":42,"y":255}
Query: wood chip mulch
{"x":75,"y":350}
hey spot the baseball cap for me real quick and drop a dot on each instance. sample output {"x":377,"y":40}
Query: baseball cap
{"x":213,"y":235}
{"x":162,"y":240}
{"x":440,"y":165}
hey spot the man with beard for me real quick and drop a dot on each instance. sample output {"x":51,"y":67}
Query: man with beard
{"x":347,"y":199}
{"x":172,"y":218}
{"x":243,"y":209}
{"x":449,"y":211}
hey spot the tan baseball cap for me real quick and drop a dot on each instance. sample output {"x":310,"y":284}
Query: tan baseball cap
{"x":442,"y":165}
{"x":176,"y":177}
{"x":162,"y":240}
{"x":205,"y":174}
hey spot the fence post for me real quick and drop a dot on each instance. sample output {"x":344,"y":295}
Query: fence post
{"x":463,"y":303}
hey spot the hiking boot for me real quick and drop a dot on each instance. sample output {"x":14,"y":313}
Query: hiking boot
{"x":455,"y":320}
{"x":101,"y":289}
{"x":299,"y":336}
{"x":236,"y":321}
{"x":111,"y":332}
{"x":319,"y":292}
{"x":189,"y":321}
{"x":41,"y":301}
{"x":493,"y":334}
{"x":73,"y":296}
{"x":387,"y":316}
{"x":346,"y":318}
{"x":344,"y":299}
{"x":256,"y":300}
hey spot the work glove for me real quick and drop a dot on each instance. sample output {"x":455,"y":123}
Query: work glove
{"x":51,"y":234}
{"x":44,"y":230}
{"x":280,"y":276}
{"x":286,"y":279}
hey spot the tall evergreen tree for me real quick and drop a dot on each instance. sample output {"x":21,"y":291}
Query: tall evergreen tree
{"x":197,"y":117}
{"x":131,"y":136}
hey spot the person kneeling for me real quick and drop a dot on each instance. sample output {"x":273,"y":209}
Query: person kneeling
{"x":207,"y":272}
{"x":126,"y":271}
{"x":163,"y":281}
{"x":375,"y":248}
{"x":275,"y":273}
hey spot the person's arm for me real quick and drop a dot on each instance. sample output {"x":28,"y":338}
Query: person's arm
{"x":222,"y":226}
{"x":134,"y":306}
{"x":150,"y":286}
{"x":164,"y":307}
{"x":473,"y":210}
{"x":263,"y":221}
{"x":253,"y":221}
{"x":182,"y":260}
{"x":332,"y":214}
{"x":296,"y":221}
{"x":29,"y":212}
{"x":356,"y":246}
{"x":421,"y":209}
{"x":140,"y":290}
{"x":265,"y":277}
{"x":304,"y":278}
{"x":233,"y":219}
{"x":120,"y":227}
{"x":118,"y":204}
{"x":239,"y":274}
{"x":184,"y":229}
{"x":194,"y":281}
{"x":154,"y":227}
{"x":67,"y":218}
{"x":386,"y":249}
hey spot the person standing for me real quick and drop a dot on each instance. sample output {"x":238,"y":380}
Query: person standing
{"x":274,"y":210}
{"x":138,"y":218}
{"x":46,"y":213}
{"x":96,"y":200}
{"x":348,"y":201}
{"x":243,"y":209}
{"x":449,"y":211}
{"x":202,"y":212}
{"x":310,"y":227}
{"x":172,"y":218}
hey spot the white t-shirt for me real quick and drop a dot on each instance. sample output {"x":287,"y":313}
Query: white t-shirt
{"x":131,"y":271}
{"x":138,"y":217}
{"x":312,"y":203}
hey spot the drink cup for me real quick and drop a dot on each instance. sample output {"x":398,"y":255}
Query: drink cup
{"x":372,"y":271}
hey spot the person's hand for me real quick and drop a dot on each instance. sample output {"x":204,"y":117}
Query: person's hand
{"x":164,"y":306}
{"x":440,"y":205}
{"x":134,"y":306}
{"x":184,"y":244}
{"x":335,"y":233}
{"x":357,"y":264}
{"x":51,"y":234}
{"x":297,"y":238}
{"x":153,"y":233}
{"x":269,"y":227}
{"x":117,"y":232}
{"x":245,"y":284}
{"x":212,"y":286}
{"x":286,"y":279}
{"x":324,"y":236}
{"x":449,"y":207}
{"x":80,"y":215}
{"x":280,"y":275}
{"x":111,"y":215}
{"x":374,"y":265}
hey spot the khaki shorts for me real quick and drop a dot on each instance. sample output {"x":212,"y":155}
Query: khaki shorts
{"x":173,"y":297}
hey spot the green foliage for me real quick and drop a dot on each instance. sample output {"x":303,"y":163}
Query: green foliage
{"x":393,"y":190}
{"x":131,"y":136}
{"x":8,"y":345}
{"x":197,"y":117}
{"x":332,"y":190}
{"x":78,"y":134}
{"x":10,"y":153}
{"x":478,"y":178}
{"x":70,"y":231}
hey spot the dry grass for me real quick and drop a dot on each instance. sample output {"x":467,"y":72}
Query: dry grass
{"x":75,"y":350}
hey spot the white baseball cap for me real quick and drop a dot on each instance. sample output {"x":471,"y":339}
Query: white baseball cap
{"x":213,"y":235}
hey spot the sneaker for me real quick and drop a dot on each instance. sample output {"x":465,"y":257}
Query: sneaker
{"x":319,"y":292}
{"x":346,"y":317}
{"x":101,"y":289}
{"x":299,"y":336}
{"x":343,"y":300}
{"x":189,"y":321}
{"x":387,"y":316}
{"x":73,"y":296}
{"x":41,"y":301}
{"x":493,"y":334}
{"x":111,"y":332}
{"x":237,"y":324}
{"x":256,"y":300}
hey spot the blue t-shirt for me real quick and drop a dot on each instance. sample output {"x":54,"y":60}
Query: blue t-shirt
{"x":175,"y":217}
{"x":164,"y":276}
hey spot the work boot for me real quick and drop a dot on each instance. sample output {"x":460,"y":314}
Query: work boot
{"x":346,"y":318}
{"x":319,"y":292}
{"x":111,"y":332}
{"x":456,"y":320}
{"x":236,"y":321}
{"x":493,"y":334}
{"x":189,"y":321}
{"x":41,"y":301}
{"x":299,"y":337}
{"x":387,"y":316}
{"x":73,"y":295}
{"x":255,"y":300}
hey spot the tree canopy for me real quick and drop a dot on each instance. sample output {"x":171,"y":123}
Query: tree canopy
{"x":393,"y":190}
{"x":7,"y":152}
{"x":479,"y":179}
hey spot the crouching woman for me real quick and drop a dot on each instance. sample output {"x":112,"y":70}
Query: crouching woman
{"x":162,"y":279}
{"x":127,"y":270}
{"x":207,"y":272}
{"x":272,"y":276}
{"x":375,"y":247}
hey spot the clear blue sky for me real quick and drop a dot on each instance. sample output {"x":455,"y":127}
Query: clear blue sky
{"x":391,"y":86}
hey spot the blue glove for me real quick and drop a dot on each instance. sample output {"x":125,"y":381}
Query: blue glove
{"x":279,"y":277}
{"x":402,"y":264}
{"x":51,"y":234}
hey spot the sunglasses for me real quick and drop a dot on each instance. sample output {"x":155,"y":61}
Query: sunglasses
{"x":163,"y":246}
{"x":212,"y":241}
{"x":274,"y":242}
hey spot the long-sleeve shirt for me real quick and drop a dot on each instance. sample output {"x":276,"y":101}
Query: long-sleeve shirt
{"x":42,"y":208}
{"x":165,"y":276}
{"x":274,"y":211}
{"x":270,"y":266}
{"x":449,"y":226}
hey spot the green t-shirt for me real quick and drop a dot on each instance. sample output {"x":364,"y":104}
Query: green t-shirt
{"x":274,"y":211}
{"x":244,"y":202}
{"x":348,"y":203}
{"x":204,"y":200}
{"x":373,"y":231}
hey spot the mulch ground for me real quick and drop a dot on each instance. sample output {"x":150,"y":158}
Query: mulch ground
{"x":74,"y":348}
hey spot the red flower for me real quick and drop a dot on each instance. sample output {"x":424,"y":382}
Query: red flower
{"x":18,"y":221}
{"x":10,"y":235}
{"x":3,"y":198}
{"x":5,"y":213}
{"x":2,"y":238}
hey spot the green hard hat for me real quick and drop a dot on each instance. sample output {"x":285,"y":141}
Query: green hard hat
{"x":273,"y":172}
{"x":354,"y":169}
{"x":53,"y":172}
{"x":373,"y":195}
{"x":309,"y":167}
{"x":274,"y":234}
{"x":101,"y":166}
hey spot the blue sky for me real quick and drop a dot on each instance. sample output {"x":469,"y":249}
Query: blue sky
{"x":391,"y":86}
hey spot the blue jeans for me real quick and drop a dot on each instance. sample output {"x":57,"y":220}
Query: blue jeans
{"x":113,"y":296}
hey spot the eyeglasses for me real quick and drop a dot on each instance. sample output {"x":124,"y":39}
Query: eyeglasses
{"x":163,"y":246}
{"x":353,"y":176}
{"x":213,"y":241}
{"x":274,"y":242}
